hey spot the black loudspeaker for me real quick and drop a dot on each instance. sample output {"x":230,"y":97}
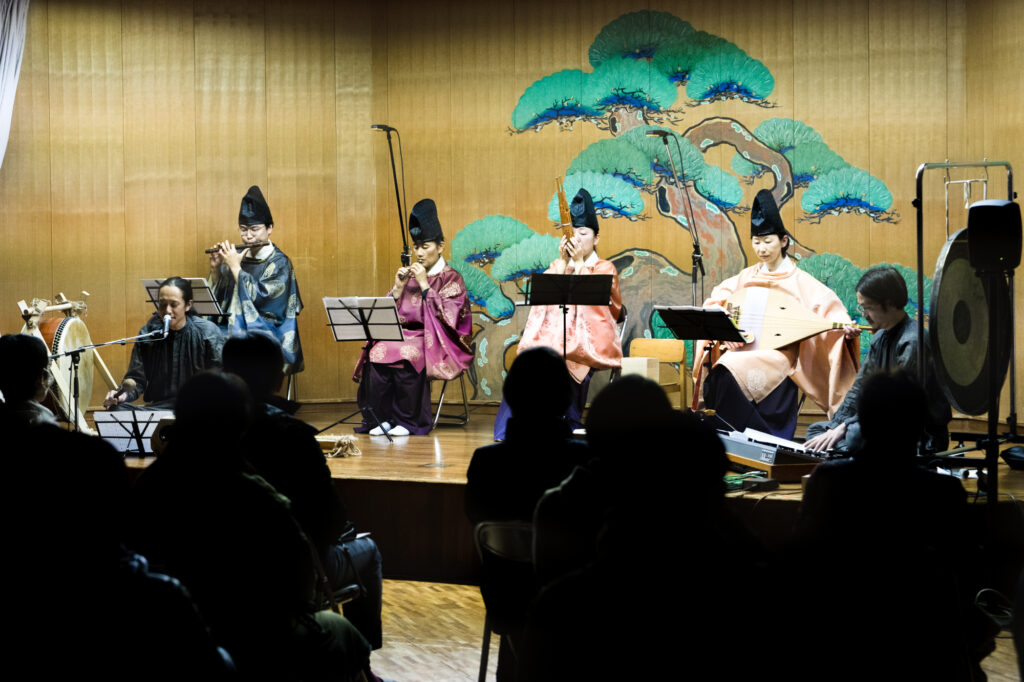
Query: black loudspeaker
{"x":994,"y":235}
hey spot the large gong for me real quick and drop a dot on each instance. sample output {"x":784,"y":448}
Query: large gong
{"x":959,"y":329}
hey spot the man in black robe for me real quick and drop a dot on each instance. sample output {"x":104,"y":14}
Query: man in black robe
{"x":161,"y":366}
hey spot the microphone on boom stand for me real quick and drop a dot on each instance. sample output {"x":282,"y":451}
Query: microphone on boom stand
{"x":406,"y":254}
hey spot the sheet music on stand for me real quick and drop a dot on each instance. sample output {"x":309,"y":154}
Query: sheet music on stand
{"x":130,"y":431}
{"x":363,"y":318}
{"x":203,"y":301}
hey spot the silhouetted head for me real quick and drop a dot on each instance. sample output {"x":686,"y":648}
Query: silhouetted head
{"x":23,"y":361}
{"x":212,"y":407}
{"x":537,"y":384}
{"x":629,"y":406}
{"x":258,"y":360}
{"x":892,"y":409}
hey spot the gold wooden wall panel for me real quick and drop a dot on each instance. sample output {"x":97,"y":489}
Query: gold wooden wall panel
{"x":994,"y":115}
{"x":136,"y":120}
{"x":482,"y":57}
{"x":420,"y":105}
{"x":363,"y":190}
{"x":87,"y":160}
{"x":159,"y":154}
{"x":907,"y":89}
{"x":26,"y":261}
{"x":302,"y":150}
{"x":231,"y":113}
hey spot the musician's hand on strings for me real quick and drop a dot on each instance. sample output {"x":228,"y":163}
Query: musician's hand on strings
{"x":826,"y":441}
{"x":112,"y":398}
{"x":851,"y":332}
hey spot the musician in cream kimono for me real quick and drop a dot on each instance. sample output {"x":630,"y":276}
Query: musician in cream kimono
{"x":759,"y":388}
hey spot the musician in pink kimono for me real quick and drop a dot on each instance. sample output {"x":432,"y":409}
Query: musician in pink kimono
{"x":433,"y":307}
{"x":592,"y":340}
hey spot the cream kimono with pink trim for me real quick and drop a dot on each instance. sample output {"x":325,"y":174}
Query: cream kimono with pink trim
{"x":822,"y":366}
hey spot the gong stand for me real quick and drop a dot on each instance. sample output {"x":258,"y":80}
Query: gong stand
{"x":972,"y":307}
{"x":918,"y":204}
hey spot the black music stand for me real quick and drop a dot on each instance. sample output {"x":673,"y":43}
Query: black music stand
{"x":203,"y":301}
{"x":567,"y":290}
{"x":689,"y":322}
{"x":124,"y":429}
{"x":367,"y":319}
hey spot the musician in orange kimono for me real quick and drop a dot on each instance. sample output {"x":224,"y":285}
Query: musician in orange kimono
{"x":758,"y":388}
{"x":592,"y":340}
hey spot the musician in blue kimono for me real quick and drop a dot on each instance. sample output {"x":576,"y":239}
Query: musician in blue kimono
{"x":268,"y":299}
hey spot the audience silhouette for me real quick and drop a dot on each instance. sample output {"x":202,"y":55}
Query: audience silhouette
{"x":208,"y":566}
{"x":505,"y":480}
{"x":634,"y":542}
{"x":888,"y":564}
{"x":284,"y":451}
{"x":202,"y":513}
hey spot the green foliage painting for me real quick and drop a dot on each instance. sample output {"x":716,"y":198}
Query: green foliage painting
{"x":649,"y":73}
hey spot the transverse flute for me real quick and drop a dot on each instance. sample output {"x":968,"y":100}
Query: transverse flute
{"x":239,"y":247}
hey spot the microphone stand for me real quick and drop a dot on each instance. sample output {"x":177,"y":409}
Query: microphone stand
{"x":406,"y":254}
{"x":697,"y":259}
{"x":76,"y":356}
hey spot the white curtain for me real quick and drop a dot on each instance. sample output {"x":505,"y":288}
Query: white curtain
{"x":12,"y":45}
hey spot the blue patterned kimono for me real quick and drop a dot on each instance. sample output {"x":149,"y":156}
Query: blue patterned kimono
{"x":268,"y":301}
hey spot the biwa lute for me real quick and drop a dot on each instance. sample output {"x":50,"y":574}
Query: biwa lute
{"x":770,"y":319}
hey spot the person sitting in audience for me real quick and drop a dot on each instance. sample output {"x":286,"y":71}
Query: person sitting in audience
{"x":285,"y":452}
{"x":201,"y":514}
{"x":68,"y":491}
{"x":24,"y":380}
{"x":569,"y":517}
{"x":658,"y":551}
{"x":505,"y":480}
{"x":885,"y":536}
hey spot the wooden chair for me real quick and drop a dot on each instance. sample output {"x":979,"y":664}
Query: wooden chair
{"x":667,"y":351}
